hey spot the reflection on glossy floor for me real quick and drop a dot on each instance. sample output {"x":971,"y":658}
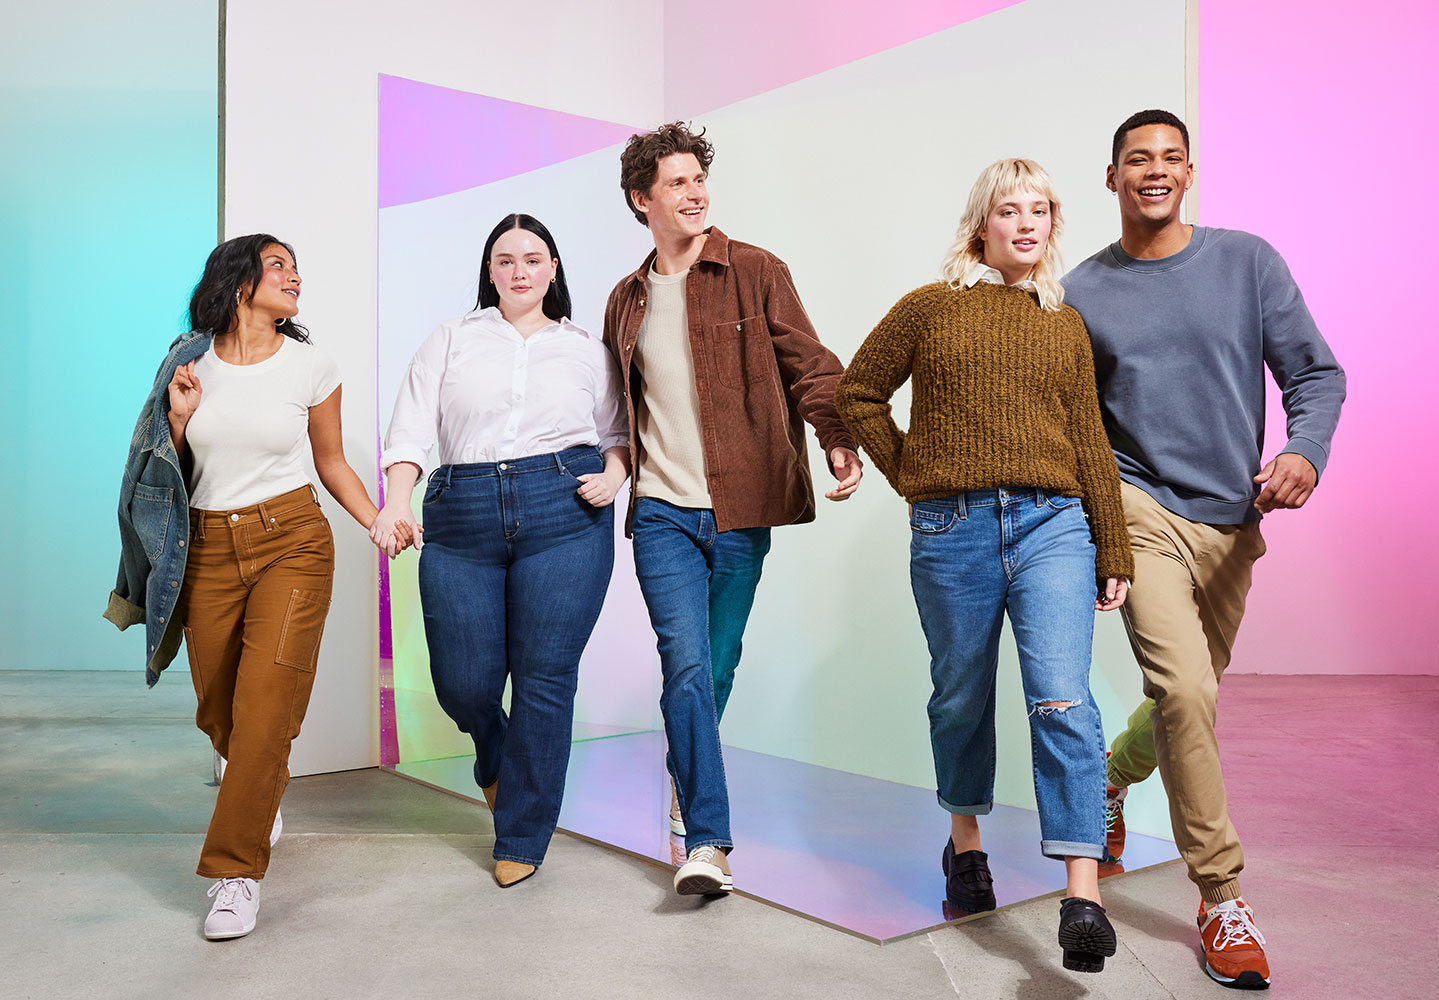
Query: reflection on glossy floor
{"x":853,"y":852}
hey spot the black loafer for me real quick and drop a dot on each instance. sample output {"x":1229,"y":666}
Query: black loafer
{"x":1085,"y":934}
{"x":967,"y":881}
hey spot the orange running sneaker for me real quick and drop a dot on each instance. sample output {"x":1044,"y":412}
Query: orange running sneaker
{"x":1233,"y":946}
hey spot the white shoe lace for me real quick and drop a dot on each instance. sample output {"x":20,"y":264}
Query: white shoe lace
{"x":1113,"y":809}
{"x":705,"y":854}
{"x":1236,"y":925}
{"x":230,"y":890}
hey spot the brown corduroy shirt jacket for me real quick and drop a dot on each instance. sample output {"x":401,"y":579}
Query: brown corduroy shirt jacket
{"x":760,"y":371}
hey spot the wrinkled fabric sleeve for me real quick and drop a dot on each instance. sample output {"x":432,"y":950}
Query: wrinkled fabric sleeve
{"x":810,"y":371}
{"x":882,"y":364}
{"x":1097,"y":473}
{"x":415,"y":423}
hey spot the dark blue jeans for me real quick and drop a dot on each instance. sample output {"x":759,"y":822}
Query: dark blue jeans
{"x":973,"y":557}
{"x":699,"y":585}
{"x":512,"y":577}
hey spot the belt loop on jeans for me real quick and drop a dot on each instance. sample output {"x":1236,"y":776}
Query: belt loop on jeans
{"x":449,"y":471}
{"x":314,"y":492}
{"x":199,"y":522}
{"x":559,"y":465}
{"x":959,"y":507}
{"x":265,"y":517}
{"x":1040,"y":496}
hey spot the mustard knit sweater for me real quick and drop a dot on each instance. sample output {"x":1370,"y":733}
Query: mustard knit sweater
{"x":1003,"y":395}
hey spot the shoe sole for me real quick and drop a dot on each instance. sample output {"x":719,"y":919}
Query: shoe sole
{"x":710,"y":883}
{"x":1246,"y":980}
{"x":230,"y":935}
{"x":1086,"y":945}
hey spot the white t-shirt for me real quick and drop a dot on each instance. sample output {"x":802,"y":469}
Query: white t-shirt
{"x":247,"y":436}
{"x":486,"y":394}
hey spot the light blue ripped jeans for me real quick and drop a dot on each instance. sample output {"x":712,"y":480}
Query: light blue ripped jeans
{"x":973,"y":557}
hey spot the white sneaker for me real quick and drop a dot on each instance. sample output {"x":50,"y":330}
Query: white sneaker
{"x":237,"y":901}
{"x":705,"y":873}
{"x":677,"y":819}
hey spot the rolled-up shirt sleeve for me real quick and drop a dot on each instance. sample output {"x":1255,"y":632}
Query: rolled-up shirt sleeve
{"x":611,"y":422}
{"x":415,"y":423}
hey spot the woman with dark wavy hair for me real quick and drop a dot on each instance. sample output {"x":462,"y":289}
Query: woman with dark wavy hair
{"x":519,"y":532}
{"x":216,"y":495}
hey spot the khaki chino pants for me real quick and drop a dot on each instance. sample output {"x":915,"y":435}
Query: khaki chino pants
{"x":257,"y":589}
{"x":1190,"y":584}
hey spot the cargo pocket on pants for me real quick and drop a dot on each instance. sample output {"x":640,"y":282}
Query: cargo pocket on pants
{"x":300,"y":635}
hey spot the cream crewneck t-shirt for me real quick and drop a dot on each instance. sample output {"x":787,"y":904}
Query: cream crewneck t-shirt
{"x":247,"y":436}
{"x":671,"y":460}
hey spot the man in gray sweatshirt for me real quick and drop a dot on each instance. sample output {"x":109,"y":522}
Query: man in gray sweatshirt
{"x":1184,"y":320}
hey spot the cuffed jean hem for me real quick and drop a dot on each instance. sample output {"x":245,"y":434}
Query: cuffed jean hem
{"x":727,"y":845}
{"x":1221,"y":893}
{"x":1060,"y":849}
{"x":980,"y":810}
{"x":499,"y":856}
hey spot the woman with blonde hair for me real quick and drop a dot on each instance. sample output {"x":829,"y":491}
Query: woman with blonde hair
{"x":1014,"y":506}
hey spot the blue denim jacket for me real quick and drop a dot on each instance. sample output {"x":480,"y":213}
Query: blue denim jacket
{"x":155,"y":520}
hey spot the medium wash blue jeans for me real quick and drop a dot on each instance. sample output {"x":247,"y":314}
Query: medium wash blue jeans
{"x":972,"y":557}
{"x":699,"y":585}
{"x":512,"y":577}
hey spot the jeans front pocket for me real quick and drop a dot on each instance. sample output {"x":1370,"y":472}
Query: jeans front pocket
{"x":299,"y":643}
{"x":932,"y":519}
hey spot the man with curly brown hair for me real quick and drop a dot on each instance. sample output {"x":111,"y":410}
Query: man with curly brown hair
{"x":721,"y":369}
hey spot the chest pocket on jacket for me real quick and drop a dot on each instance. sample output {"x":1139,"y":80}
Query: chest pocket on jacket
{"x":150,"y":514}
{"x":743,"y":352}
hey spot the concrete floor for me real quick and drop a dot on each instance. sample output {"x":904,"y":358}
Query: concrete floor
{"x":381,"y":888}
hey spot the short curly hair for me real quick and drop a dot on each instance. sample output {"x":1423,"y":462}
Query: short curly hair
{"x":1140,"y":119}
{"x":639,"y":161}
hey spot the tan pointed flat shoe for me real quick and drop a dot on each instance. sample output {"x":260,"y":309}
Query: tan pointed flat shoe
{"x":508,"y":873}
{"x":489,"y":791}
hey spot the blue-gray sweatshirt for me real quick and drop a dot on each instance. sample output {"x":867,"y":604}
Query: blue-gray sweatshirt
{"x":1180,"y":347}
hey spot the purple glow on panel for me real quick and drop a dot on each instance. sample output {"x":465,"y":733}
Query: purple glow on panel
{"x":746,"y":47}
{"x":435,"y":141}
{"x":389,"y":726}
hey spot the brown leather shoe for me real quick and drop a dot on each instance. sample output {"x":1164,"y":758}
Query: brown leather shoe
{"x":508,"y":873}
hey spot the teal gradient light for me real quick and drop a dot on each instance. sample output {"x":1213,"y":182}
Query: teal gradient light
{"x":107,"y":210}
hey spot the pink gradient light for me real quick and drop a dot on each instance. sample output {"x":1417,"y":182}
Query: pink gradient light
{"x":717,"y":54}
{"x":1317,"y":133}
{"x":435,"y":141}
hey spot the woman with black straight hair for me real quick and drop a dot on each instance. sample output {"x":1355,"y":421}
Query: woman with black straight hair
{"x":216,"y":495}
{"x":519,"y":527}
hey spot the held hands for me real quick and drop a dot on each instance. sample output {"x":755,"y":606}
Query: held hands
{"x":1288,"y":480}
{"x":1116,"y":589}
{"x":184,"y":390}
{"x":848,"y":469}
{"x":394,"y":530}
{"x":598,"y":489}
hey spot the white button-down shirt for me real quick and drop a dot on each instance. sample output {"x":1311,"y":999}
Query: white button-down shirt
{"x":486,"y":394}
{"x":980,"y":271}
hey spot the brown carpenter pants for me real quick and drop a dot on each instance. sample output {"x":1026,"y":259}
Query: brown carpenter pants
{"x":257,"y":589}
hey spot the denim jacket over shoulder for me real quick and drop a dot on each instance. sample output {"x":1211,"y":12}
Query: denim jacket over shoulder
{"x":155,"y":520}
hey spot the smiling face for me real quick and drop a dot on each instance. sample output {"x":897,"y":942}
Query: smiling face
{"x":521,"y":268}
{"x":676,"y":206}
{"x":277,"y":293}
{"x":1016,"y":233}
{"x":1151,"y":176}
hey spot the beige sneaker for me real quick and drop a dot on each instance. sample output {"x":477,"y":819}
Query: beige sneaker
{"x":237,"y":901}
{"x":705,"y":873}
{"x":677,"y":820}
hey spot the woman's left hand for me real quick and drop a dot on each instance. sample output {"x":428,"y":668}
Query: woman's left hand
{"x":1116,"y":589}
{"x":598,"y":489}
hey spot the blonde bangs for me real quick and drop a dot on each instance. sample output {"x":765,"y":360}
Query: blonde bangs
{"x":997,"y":181}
